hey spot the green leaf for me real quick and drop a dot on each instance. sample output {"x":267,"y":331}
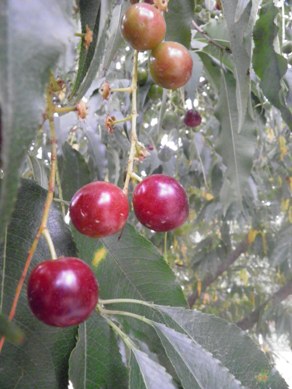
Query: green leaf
{"x":178,"y":19}
{"x":74,"y":172}
{"x":42,"y":361}
{"x":282,"y":250}
{"x":96,"y":361}
{"x":147,"y":374}
{"x":270,"y":66}
{"x":240,"y":355}
{"x":31,"y":40}
{"x":91,"y":59}
{"x":240,"y":17}
{"x":195,"y":367}
{"x":39,"y":171}
{"x":115,"y":38}
{"x":212,"y":69}
{"x":11,"y":332}
{"x":133,"y":268}
{"x":90,"y":17}
{"x":236,"y":149}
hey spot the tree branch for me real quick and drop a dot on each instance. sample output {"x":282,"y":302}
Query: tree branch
{"x":252,"y":318}
{"x":232,"y":257}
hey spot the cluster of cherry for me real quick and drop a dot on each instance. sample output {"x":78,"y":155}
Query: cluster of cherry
{"x":64,"y":291}
{"x":170,"y":63}
{"x":144,"y":27}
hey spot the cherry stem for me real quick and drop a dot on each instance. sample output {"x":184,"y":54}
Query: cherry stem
{"x":136,"y":177}
{"x":122,"y":301}
{"x":125,"y":313}
{"x":79,"y":34}
{"x":126,"y":119}
{"x":46,"y":209}
{"x":133,"y":139}
{"x":64,"y":110}
{"x":165,"y":247}
{"x":62,"y":201}
{"x":47,"y":236}
{"x":127,"y":89}
{"x":60,"y":190}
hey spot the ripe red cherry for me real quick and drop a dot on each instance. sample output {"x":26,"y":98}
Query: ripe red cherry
{"x":171,"y":65}
{"x":160,"y":203}
{"x":192,"y":118}
{"x":99,"y":209}
{"x":62,"y":292}
{"x":143,"y":26}
{"x":218,"y":5}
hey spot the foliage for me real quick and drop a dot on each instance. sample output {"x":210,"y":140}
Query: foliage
{"x":231,"y":261}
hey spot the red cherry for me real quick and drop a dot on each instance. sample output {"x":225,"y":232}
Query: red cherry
{"x":192,"y":118}
{"x":143,"y":26}
{"x":171,"y":65}
{"x":62,"y":292}
{"x":160,"y":203}
{"x":218,"y":5}
{"x":99,"y":209}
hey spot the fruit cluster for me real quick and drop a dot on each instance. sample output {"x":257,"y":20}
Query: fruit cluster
{"x":64,"y":292}
{"x":144,"y":27}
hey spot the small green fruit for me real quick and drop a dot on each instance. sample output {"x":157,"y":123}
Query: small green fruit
{"x":155,"y":92}
{"x":142,"y":76}
{"x":170,"y":120}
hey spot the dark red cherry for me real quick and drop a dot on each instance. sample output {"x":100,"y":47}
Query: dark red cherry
{"x":160,"y":203}
{"x":143,"y":26}
{"x":99,"y":209}
{"x":62,"y":292}
{"x":170,"y":65}
{"x":192,"y":118}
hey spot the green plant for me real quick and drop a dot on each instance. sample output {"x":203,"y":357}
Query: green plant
{"x":173,"y":307}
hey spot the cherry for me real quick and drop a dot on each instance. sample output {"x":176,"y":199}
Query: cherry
{"x":62,"y":292}
{"x":143,"y":26}
{"x":170,"y":120}
{"x":218,"y":5}
{"x":142,"y":76}
{"x":171,"y":65}
{"x":155,"y":92}
{"x":160,"y":203}
{"x":192,"y":118}
{"x":99,"y":209}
